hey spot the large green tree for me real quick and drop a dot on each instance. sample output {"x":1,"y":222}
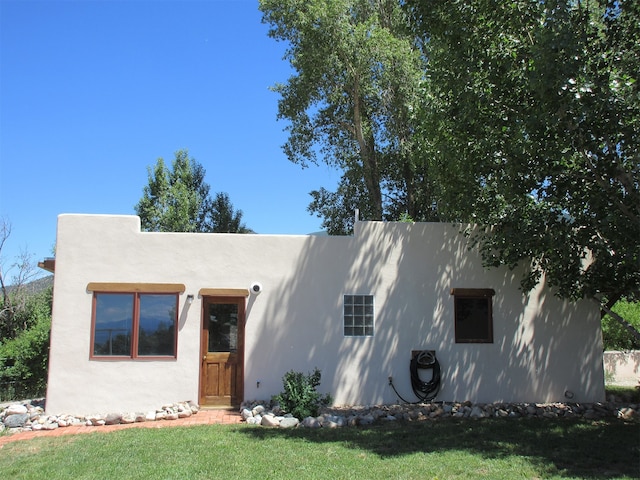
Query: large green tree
{"x":177,"y":199}
{"x":520,"y":117}
{"x":531,"y":122}
{"x":351,"y":104}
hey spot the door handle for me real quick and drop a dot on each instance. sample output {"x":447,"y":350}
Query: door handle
{"x":204,"y":358}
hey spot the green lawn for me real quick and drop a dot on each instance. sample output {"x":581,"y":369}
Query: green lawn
{"x":489,"y":448}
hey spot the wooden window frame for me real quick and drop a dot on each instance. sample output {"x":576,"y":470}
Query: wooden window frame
{"x":462,"y":294}
{"x":165,"y":289}
{"x":115,"y":287}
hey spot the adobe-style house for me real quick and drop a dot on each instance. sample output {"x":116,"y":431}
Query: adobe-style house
{"x":141,"y":319}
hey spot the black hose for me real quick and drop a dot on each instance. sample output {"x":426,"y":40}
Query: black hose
{"x":425,"y":391}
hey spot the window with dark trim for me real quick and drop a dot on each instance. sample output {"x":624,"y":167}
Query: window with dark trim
{"x":358,"y":315}
{"x":134,"y":325}
{"x":473,"y":313}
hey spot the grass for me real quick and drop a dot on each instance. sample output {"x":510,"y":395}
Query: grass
{"x":624,"y":393}
{"x":446,"y":449}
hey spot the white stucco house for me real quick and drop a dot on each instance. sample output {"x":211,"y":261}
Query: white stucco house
{"x":142,"y":319}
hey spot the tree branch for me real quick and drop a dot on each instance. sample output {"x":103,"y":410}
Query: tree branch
{"x":630,"y":328}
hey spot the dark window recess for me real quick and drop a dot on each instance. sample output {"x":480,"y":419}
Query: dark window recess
{"x":473,"y":315}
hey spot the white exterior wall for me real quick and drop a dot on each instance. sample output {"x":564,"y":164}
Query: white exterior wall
{"x":622,"y":368}
{"x":542,"y":346}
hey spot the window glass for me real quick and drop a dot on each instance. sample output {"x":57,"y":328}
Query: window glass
{"x":223,"y":327}
{"x":358,"y":315}
{"x":134,"y":325}
{"x":473,"y":315}
{"x":156,"y":330}
{"x":113,"y":324}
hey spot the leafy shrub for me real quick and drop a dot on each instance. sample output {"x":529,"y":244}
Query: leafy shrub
{"x":21,"y":309}
{"x":24,"y":357}
{"x":299,"y":396}
{"x":614,"y":335}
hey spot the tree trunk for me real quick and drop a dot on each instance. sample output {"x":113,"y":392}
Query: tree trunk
{"x":368,"y":155}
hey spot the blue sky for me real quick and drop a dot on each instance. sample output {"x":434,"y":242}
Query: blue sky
{"x":93,"y":92}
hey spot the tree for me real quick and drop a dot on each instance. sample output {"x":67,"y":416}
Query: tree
{"x":14,"y":312}
{"x":351,"y":104}
{"x":177,"y":199}
{"x":224,"y":218}
{"x":531,"y":122}
{"x":614,"y":335}
{"x":25,"y":356}
{"x":25,"y":320}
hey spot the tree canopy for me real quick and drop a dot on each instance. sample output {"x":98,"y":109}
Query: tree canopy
{"x":351,"y":104}
{"x":531,"y":123}
{"x":519,"y":117}
{"x":177,"y":199}
{"x":224,"y":219}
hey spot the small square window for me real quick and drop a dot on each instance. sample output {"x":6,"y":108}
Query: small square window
{"x":358,"y":315}
{"x":473,"y":313}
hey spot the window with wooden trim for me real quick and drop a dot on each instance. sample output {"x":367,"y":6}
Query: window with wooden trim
{"x":134,"y":325}
{"x":358,"y":315}
{"x":473,"y":311}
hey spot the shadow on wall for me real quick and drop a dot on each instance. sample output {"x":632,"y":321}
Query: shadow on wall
{"x":622,"y":368}
{"x":410,"y":271}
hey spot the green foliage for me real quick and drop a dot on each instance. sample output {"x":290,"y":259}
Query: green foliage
{"x":351,"y":104}
{"x":299,"y":396}
{"x":624,"y":394}
{"x":530,"y":123}
{"x":614,"y":335}
{"x":405,"y":218}
{"x":22,"y":310}
{"x":520,"y":117}
{"x":24,"y":359}
{"x":223,"y":217}
{"x":24,"y":348}
{"x":177,"y":199}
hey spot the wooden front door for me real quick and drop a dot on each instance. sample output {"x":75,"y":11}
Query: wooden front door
{"x":222,"y":351}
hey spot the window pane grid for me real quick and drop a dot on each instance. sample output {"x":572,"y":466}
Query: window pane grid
{"x":358,"y":315}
